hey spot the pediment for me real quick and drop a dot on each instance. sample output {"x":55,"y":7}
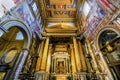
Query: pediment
{"x":61,"y":28}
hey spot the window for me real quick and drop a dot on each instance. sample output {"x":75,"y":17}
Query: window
{"x":19,"y":36}
{"x":118,"y":20}
{"x":34,"y":7}
{"x":107,"y":36}
{"x":86,"y":8}
{"x":1,"y":33}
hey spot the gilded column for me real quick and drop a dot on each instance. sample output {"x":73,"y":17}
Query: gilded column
{"x":55,"y":62}
{"x":77,"y":56}
{"x":84,"y":67}
{"x":49,"y":59}
{"x":44,"y":58}
{"x":40,"y":56}
{"x":73,"y":59}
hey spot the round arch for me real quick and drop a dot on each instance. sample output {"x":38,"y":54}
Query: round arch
{"x":104,"y":55}
{"x":26,"y":32}
{"x":101,"y":31}
{"x":20,"y":25}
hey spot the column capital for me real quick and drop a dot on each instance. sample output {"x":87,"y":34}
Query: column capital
{"x":74,"y":36}
{"x":45,"y":37}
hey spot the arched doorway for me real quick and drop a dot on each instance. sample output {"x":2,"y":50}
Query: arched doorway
{"x":15,"y":38}
{"x":109,"y":44}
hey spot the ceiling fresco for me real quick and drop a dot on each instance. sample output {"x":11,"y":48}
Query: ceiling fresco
{"x":61,"y":8}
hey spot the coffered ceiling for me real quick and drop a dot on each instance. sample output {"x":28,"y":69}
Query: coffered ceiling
{"x":61,"y":8}
{"x":58,"y":10}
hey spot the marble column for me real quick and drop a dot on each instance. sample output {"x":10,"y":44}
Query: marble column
{"x":69,"y":65}
{"x":77,"y":56}
{"x":107,"y":71}
{"x":73,"y":64}
{"x":45,"y":52}
{"x":82,"y":57}
{"x":66,"y":65}
{"x":52,"y":65}
{"x":40,"y":56}
{"x":49,"y":59}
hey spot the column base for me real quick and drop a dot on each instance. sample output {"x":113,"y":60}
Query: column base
{"x":40,"y":75}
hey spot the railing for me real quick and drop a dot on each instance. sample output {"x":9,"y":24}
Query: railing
{"x":47,"y":76}
{"x":75,"y":76}
{"x":89,"y":76}
{"x":42,"y":76}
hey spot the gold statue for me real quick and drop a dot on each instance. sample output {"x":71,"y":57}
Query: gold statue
{"x":61,"y":69}
{"x":108,"y":46}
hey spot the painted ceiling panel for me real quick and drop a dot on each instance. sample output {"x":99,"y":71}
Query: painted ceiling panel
{"x":62,"y":2}
{"x":61,"y":8}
